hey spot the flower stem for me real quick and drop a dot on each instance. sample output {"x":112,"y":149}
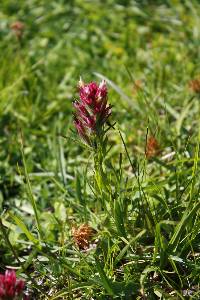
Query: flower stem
{"x":101,"y":182}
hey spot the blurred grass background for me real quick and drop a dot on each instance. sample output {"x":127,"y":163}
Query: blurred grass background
{"x":155,"y":42}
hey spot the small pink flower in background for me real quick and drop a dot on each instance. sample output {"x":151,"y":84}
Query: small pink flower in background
{"x":92,"y":109}
{"x":152,"y":147}
{"x":10,"y":287}
{"x":194,"y":85}
{"x":18,"y":28}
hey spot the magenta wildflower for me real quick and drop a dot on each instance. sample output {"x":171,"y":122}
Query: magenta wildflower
{"x":10,"y":287}
{"x":92,"y":109}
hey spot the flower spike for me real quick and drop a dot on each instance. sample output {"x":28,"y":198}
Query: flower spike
{"x":91,"y":110}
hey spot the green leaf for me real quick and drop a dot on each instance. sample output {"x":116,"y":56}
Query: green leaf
{"x":24,"y":229}
{"x":106,"y":282}
{"x":188,"y":217}
{"x":125,"y":249}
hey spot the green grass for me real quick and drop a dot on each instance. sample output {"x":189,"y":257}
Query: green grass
{"x":147,"y":218}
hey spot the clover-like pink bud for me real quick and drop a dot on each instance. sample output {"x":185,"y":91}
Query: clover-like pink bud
{"x":92,"y":109}
{"x":10,"y":286}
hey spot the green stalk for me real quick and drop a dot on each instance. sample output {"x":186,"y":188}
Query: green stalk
{"x":100,"y":175}
{"x":30,"y":193}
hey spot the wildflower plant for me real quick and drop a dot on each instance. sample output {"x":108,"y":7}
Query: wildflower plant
{"x":194,"y":85}
{"x":11,"y":288}
{"x":82,"y":235}
{"x":152,"y":147}
{"x":90,"y":118}
{"x":92,"y":112}
{"x":18,"y":29}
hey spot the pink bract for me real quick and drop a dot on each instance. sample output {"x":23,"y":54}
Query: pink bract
{"x":10,"y":286}
{"x":92,"y":109}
